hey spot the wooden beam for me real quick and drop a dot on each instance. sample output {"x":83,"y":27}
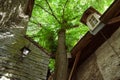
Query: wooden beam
{"x":114,"y":20}
{"x":74,"y":66}
{"x":82,"y":43}
{"x":112,"y":11}
{"x":29,"y":8}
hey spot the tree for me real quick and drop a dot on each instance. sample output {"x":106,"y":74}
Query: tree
{"x":59,"y":19}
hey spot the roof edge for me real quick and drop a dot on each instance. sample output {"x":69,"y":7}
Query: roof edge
{"x":36,"y":44}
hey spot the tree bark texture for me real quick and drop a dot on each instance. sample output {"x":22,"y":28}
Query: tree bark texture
{"x":61,"y":57}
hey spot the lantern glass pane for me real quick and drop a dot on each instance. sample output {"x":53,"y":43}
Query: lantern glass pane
{"x":25,"y":51}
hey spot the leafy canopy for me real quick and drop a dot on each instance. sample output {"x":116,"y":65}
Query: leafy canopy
{"x":51,"y":15}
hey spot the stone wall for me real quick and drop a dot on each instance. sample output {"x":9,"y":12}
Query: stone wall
{"x":32,"y":67}
{"x":108,"y":58}
{"x":12,"y":16}
{"x":104,"y":64}
{"x":89,"y":70}
{"x":13,"y":24}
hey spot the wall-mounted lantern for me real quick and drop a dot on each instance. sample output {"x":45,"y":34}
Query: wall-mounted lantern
{"x":91,"y":19}
{"x":25,"y":51}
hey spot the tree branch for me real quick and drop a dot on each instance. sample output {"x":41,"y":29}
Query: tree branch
{"x":34,"y":22}
{"x":64,"y":8}
{"x":52,"y":12}
{"x":43,"y":9}
{"x":39,"y":24}
{"x":71,"y":27}
{"x":74,"y":18}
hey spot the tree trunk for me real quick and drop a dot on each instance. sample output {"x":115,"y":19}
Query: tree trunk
{"x":61,"y":58}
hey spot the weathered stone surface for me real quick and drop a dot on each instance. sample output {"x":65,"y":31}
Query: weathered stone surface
{"x":34,"y":66}
{"x":104,"y":64}
{"x":107,"y":58}
{"x":89,"y":70}
{"x":12,"y":14}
